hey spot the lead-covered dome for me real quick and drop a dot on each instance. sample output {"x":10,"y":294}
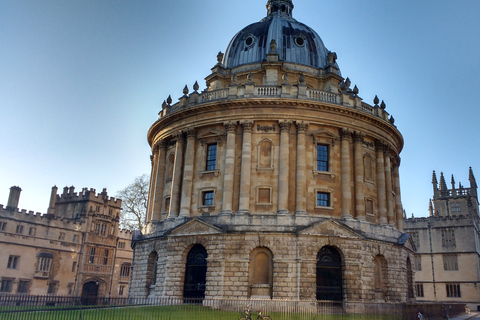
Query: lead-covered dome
{"x":295,"y":42}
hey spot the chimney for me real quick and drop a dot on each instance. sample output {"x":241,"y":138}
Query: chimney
{"x":13,"y":198}
{"x":53,"y":199}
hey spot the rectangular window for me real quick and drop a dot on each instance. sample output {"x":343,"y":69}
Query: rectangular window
{"x":75,"y":238}
{"x":91,"y":259}
{"x":19,"y":229}
{"x":121,"y":245}
{"x":322,"y":157}
{"x":23,"y":286}
{"x":455,"y":207}
{"x":103,"y":229}
{"x":43,"y":264}
{"x":323,"y":199}
{"x":418,"y":263}
{"x":61,"y":236}
{"x":264,"y":195}
{"x":7,"y":285}
{"x":207,"y":199}
{"x":369,"y":207}
{"x":211,"y":162}
{"x":120,"y":290}
{"x":125,"y":270}
{"x":450,"y":262}
{"x":52,"y":287}
{"x":32,"y":231}
{"x":74,"y":266}
{"x":3,"y":225}
{"x":105,"y":257}
{"x":420,"y":290}
{"x":448,"y":237}
{"x":13,"y":262}
{"x":167,"y":204}
{"x":453,"y":290}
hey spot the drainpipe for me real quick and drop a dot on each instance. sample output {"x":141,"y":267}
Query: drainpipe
{"x":431,"y":259}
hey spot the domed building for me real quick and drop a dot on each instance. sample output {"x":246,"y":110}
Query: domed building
{"x":277,"y":181}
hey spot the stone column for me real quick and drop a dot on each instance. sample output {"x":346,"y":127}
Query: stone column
{"x":188,"y":174}
{"x":346,"y":174}
{"x":159,"y":182}
{"x":388,"y":187}
{"x":245,"y":170}
{"x":359,"y":176}
{"x":396,"y":189}
{"x":229,"y":171}
{"x":301,"y":175}
{"x":177,"y":177}
{"x":381,"y":191}
{"x":151,"y":187}
{"x":283,"y":166}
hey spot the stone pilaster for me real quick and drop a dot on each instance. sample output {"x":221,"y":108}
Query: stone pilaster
{"x":381,"y":191}
{"x":359,"y":176}
{"x":177,"y":177}
{"x":228,"y":176}
{"x":245,"y":170}
{"x":388,"y":187}
{"x":187,"y":184}
{"x":283,"y":167}
{"x":396,"y":189}
{"x":151,"y":187}
{"x":159,"y":182}
{"x":301,"y":178}
{"x":345,"y":136}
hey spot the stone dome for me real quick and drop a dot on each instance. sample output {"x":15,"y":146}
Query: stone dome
{"x":295,"y":42}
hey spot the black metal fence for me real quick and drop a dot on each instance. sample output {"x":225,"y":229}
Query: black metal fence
{"x":24,"y":307}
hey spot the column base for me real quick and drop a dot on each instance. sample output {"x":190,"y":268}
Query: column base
{"x":283,"y":211}
{"x":243,"y":212}
{"x":300,"y":212}
{"x":347,"y":217}
{"x":226,"y":213}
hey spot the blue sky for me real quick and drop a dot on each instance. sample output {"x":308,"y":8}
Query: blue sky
{"x":82,"y":81}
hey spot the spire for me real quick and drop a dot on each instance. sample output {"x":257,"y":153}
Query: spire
{"x":473,"y":183}
{"x":430,"y":208}
{"x":434,"y":180}
{"x":453,"y":182}
{"x":443,"y":184}
{"x":280,"y":7}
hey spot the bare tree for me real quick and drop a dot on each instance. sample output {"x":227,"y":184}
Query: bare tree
{"x":134,"y":203}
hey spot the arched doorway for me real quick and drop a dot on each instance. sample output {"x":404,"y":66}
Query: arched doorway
{"x":329,"y":275}
{"x":90,"y":293}
{"x":195,"y":273}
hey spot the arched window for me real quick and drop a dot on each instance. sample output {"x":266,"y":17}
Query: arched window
{"x":265,"y":154}
{"x":380,"y":276}
{"x":195,"y":273}
{"x":368,"y":167}
{"x":44,"y":264}
{"x":152,"y":270}
{"x":261,"y":273}
{"x":329,"y":274}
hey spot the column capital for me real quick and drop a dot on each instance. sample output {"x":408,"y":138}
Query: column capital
{"x":160,"y":144}
{"x":230,"y":126}
{"x":302,"y":126}
{"x":151,"y":159}
{"x":380,"y":145}
{"x":358,"y":136}
{"x":178,"y":135}
{"x":344,"y":134}
{"x":396,"y":161}
{"x":284,"y":125}
{"x":190,"y":132}
{"x":247,"y":125}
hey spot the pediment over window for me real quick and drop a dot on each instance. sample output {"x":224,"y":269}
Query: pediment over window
{"x":210,"y":135}
{"x":407,"y":242}
{"x":322,"y":136}
{"x":331,"y":228}
{"x":195,"y":227}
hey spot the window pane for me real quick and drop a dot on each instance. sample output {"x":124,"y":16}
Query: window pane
{"x":322,"y":157}
{"x":323,"y":199}
{"x":208,"y":198}
{"x":211,"y":157}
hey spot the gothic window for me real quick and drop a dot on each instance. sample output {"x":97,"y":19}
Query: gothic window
{"x":211,"y":158}
{"x":195,"y":273}
{"x":125,"y":270}
{"x":91,"y":259}
{"x":265,"y":154}
{"x":152,"y":269}
{"x":322,"y":157}
{"x":329,"y":274}
{"x":453,"y":290}
{"x":105,"y":257}
{"x":44,"y":262}
{"x":368,"y":167}
{"x":261,"y":273}
{"x":448,"y":237}
{"x":419,"y":288}
{"x":450,"y":262}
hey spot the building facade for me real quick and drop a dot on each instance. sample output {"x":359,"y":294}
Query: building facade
{"x":75,"y":249}
{"x":447,"y":262}
{"x":277,"y":181}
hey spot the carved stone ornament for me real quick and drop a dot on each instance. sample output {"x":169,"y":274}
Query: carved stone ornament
{"x":266,"y":128}
{"x":358,"y":136}
{"x":302,"y":126}
{"x":273,"y":46}
{"x":230,"y":126}
{"x":344,"y":133}
{"x":247,"y":125}
{"x":220,"y":57}
{"x":178,"y":135}
{"x":380,"y":145}
{"x":190,"y":132}
{"x":284,"y":125}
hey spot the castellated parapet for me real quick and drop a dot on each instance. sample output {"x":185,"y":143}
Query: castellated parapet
{"x":75,"y":249}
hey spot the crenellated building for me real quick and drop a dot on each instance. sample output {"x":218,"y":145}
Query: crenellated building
{"x":447,"y":263}
{"x":276,"y":181}
{"x":75,"y":249}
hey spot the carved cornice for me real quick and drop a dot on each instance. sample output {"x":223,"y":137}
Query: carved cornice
{"x":381,"y":145}
{"x":284,"y":125}
{"x":247,"y":125}
{"x":230,"y":126}
{"x":344,"y":133}
{"x":302,"y":126}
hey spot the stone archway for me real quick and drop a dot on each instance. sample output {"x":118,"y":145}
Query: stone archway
{"x":195,"y":273}
{"x":90,"y":293}
{"x":329,"y":275}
